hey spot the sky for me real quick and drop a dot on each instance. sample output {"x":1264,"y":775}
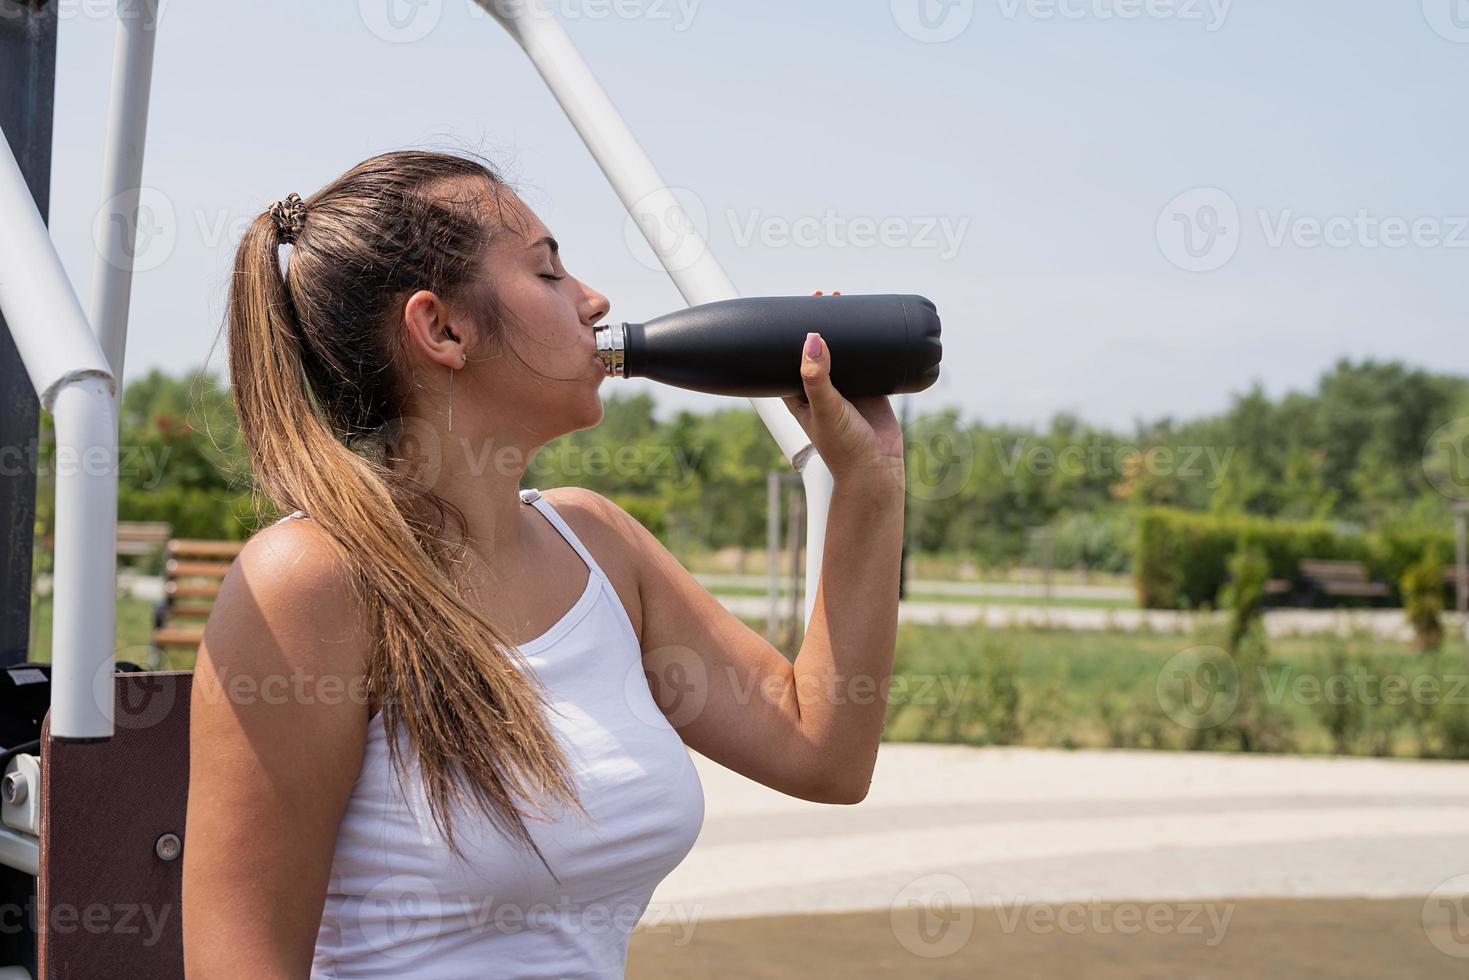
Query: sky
{"x":1123,"y":209}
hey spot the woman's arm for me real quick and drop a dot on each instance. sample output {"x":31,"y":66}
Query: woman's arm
{"x":278,"y":723}
{"x":846,"y":659}
{"x":811,"y":728}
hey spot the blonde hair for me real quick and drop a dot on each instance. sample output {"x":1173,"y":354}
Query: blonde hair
{"x":314,"y":371}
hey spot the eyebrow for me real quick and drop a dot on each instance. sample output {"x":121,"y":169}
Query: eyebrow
{"x":549,"y":242}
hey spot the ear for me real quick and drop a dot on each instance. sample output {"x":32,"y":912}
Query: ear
{"x":435,"y":332}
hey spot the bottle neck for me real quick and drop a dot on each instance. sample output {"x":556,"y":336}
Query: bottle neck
{"x":611,"y":340}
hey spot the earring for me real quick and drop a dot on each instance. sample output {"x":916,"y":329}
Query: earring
{"x":463,"y":360}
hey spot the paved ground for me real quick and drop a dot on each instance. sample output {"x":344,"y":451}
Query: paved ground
{"x":990,"y":825}
{"x":1009,"y":846}
{"x":1261,"y":939}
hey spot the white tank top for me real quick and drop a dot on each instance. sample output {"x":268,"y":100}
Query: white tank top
{"x":400,"y":905}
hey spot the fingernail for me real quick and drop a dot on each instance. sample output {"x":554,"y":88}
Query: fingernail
{"x":813,"y":346}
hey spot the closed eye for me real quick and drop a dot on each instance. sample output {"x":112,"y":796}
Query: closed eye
{"x":546,"y":275}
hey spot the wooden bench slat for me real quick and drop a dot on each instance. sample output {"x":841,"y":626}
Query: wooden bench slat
{"x":188,"y":548}
{"x":139,"y":539}
{"x":1356,"y":588}
{"x":191,"y":590}
{"x":178,"y":636}
{"x":1348,"y":571}
{"x":184,"y":568}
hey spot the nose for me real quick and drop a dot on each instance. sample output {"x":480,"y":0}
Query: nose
{"x":597,"y":306}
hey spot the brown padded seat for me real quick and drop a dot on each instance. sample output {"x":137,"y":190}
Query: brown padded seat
{"x":109,"y":904}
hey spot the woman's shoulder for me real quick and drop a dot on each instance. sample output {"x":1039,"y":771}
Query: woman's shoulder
{"x":594,"y":517}
{"x":296,"y":555}
{"x":291,"y":585}
{"x":613,"y":536}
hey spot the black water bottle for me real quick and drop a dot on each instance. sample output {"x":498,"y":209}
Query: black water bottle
{"x":884,"y":344}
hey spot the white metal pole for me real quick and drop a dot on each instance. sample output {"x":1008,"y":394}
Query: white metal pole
{"x":648,"y":199}
{"x":772,"y":553}
{"x":85,"y":597}
{"x":72,"y":378}
{"x":122,"y":176}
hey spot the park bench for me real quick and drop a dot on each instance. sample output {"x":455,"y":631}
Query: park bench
{"x":1323,"y":581}
{"x":192,"y":576}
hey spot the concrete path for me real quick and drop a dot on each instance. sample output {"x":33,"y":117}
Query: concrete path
{"x":1385,"y":623}
{"x":1000,"y":826}
{"x":1009,"y":590}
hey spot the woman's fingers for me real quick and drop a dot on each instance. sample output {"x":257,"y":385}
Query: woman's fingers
{"x":801,"y":404}
{"x":826,"y":402}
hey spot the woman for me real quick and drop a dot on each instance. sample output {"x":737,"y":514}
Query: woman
{"x":541,"y":659}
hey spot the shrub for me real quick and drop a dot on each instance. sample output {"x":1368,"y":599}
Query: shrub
{"x":1099,"y":542}
{"x":1181,"y":557}
{"x":1244,"y":594}
{"x":1422,"y":588}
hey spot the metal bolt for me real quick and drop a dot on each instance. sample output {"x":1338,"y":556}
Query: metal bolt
{"x":168,"y":846}
{"x":14,"y":788}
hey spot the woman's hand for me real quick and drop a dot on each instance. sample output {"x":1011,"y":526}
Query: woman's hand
{"x":858,"y":438}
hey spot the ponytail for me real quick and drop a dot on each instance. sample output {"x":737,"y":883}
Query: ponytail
{"x":437,"y":668}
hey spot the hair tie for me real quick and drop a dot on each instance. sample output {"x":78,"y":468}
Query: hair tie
{"x":289,"y":214}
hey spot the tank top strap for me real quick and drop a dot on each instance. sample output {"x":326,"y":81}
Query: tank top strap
{"x":534,"y":497}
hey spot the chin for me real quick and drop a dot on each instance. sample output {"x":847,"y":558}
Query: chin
{"x":598,"y":411}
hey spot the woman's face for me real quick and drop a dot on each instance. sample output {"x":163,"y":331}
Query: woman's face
{"x":540,"y":380}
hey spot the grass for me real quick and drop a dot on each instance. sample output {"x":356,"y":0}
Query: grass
{"x":1100,"y":688}
{"x":1313,"y":694}
{"x":134,"y":627}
